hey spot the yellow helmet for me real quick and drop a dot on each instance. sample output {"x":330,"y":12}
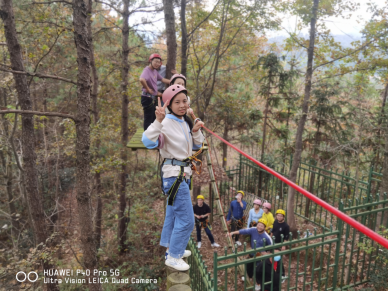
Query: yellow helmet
{"x":242,"y":192}
{"x":200,"y":197}
{"x":263,"y":221}
{"x":280,"y":211}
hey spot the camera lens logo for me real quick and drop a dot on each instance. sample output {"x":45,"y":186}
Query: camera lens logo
{"x":21,"y":276}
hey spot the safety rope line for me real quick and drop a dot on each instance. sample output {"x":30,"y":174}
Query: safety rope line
{"x":360,"y":227}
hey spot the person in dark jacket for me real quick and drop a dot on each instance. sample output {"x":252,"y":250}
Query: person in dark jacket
{"x":201,"y":212}
{"x":265,"y":269}
{"x":280,"y":227}
{"x":235,"y":215}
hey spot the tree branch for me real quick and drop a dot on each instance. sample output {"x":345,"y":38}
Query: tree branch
{"x":39,"y":75}
{"x":51,"y":114}
{"x":205,"y":19}
{"x":51,"y":2}
{"x":110,"y":5}
{"x":40,"y":60}
{"x":344,"y":56}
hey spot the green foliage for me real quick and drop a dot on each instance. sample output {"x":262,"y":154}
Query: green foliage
{"x":379,"y":273}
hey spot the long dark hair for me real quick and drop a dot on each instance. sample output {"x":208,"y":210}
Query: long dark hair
{"x":186,"y":118}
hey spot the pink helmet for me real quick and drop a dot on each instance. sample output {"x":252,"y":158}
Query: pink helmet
{"x":258,"y":202}
{"x":175,"y":76}
{"x":172,"y":91}
{"x":267,"y":205}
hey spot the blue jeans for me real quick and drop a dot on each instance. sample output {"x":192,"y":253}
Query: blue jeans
{"x":207,"y":231}
{"x":179,"y":219}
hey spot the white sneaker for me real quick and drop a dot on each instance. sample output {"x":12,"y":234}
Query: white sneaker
{"x":238,"y":243}
{"x":177,"y":264}
{"x":283,"y":279}
{"x":199,"y":244}
{"x":187,"y":253}
{"x":215,"y":245}
{"x":257,"y":287}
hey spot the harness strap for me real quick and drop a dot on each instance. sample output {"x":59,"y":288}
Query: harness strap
{"x":175,"y":186}
{"x":174,"y":161}
{"x":204,"y":224}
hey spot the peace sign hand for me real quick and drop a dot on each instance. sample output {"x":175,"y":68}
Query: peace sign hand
{"x":160,"y":110}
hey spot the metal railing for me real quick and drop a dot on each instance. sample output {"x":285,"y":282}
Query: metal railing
{"x":330,"y":260}
{"x":311,"y":264}
{"x":200,"y":277}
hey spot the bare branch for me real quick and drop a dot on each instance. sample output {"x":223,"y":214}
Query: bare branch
{"x":205,"y":19}
{"x":50,"y":114}
{"x":110,"y":5}
{"x":40,"y":60}
{"x":39,"y":75}
{"x":51,"y":2}
{"x":347,"y":55}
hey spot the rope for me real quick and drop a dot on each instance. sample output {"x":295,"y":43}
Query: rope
{"x":360,"y":227}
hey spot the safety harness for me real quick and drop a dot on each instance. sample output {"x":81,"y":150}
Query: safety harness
{"x":204,"y":224}
{"x":190,"y":161}
{"x":239,"y":222}
{"x":253,"y":224}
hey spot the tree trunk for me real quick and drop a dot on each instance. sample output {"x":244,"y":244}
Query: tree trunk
{"x":125,"y":133}
{"x":171,"y":40}
{"x":184,"y":39}
{"x":8,"y":172}
{"x":28,"y":139}
{"x":208,"y":93}
{"x":84,"y":207}
{"x":312,"y":176}
{"x":264,"y":130}
{"x":380,"y":120}
{"x":284,"y":158}
{"x":301,"y":124}
{"x":94,"y":92}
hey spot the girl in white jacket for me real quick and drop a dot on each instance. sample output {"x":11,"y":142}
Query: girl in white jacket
{"x":175,"y":136}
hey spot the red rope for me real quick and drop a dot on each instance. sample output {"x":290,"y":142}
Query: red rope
{"x":360,"y":227}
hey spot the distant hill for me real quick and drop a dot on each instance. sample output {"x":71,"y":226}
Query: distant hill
{"x":345,"y":40}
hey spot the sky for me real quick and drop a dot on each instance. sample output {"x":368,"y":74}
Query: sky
{"x":349,"y":27}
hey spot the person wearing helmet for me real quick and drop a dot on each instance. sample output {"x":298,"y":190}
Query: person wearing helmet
{"x":257,"y":234}
{"x":148,"y":79}
{"x":174,"y":136}
{"x":280,"y":227}
{"x":181,"y":80}
{"x":162,"y":71}
{"x":201,"y":212}
{"x":254,"y":214}
{"x":268,"y":216}
{"x":237,"y":219}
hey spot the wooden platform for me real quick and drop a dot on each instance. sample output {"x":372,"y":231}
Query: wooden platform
{"x":136,"y":142}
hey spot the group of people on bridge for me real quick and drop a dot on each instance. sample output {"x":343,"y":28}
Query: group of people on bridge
{"x":168,"y":128}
